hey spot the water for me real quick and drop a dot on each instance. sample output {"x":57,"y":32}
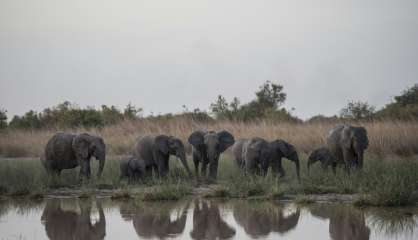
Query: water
{"x":69,"y":218}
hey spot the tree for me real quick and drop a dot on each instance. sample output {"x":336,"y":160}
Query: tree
{"x":404,"y":106}
{"x":357,"y":110}
{"x":220,"y":108}
{"x":28,"y":121}
{"x":270,"y":95}
{"x":408,"y":97}
{"x":3,"y":119}
{"x":131,"y":112}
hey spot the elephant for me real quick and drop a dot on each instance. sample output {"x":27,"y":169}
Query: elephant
{"x":155,"y":220}
{"x":345,"y":222}
{"x":257,"y":155}
{"x":207,"y":146}
{"x":155,"y":152}
{"x":65,"y":151}
{"x":208,"y":223}
{"x":132,"y":168}
{"x":347,"y":145}
{"x":67,"y":224}
{"x":324,"y":156}
{"x":258,"y":222}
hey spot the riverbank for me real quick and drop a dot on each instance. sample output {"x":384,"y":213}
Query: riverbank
{"x":382,"y":182}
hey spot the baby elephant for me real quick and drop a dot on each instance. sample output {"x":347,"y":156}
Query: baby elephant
{"x":324,"y":156}
{"x":132,"y":168}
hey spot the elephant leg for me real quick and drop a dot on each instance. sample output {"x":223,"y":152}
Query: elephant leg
{"x":196,"y":167}
{"x":334,"y":168}
{"x":281,"y":170}
{"x":148,"y":172}
{"x":348,"y":159}
{"x":204,"y":167}
{"x":264,"y":170}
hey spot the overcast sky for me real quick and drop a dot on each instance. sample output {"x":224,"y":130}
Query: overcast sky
{"x":160,"y":55}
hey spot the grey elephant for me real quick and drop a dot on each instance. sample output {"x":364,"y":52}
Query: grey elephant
{"x":257,"y":155}
{"x":155,"y":152}
{"x":207,"y":146}
{"x":324,"y":156}
{"x":68,"y":224}
{"x":66,"y":151}
{"x":132,"y":168}
{"x":347,"y":145}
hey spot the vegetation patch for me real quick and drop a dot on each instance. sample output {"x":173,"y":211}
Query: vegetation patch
{"x":303,"y":200}
{"x":165,"y":192}
{"x":121,"y":195}
{"x":219,"y":192}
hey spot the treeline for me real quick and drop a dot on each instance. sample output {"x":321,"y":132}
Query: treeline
{"x":266,"y":106}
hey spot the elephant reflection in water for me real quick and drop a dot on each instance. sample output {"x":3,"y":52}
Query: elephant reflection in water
{"x":260,"y":220}
{"x":152,"y":220}
{"x":345,"y":222}
{"x":208,"y":223}
{"x":68,"y":224}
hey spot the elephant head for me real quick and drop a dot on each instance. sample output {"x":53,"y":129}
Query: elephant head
{"x":356,"y":140}
{"x":210,"y":145}
{"x":169,"y":145}
{"x":321,"y":154}
{"x":86,"y":146}
{"x":281,"y":149}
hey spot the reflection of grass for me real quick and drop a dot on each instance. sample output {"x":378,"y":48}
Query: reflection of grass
{"x":387,"y":183}
{"x":392,"y":221}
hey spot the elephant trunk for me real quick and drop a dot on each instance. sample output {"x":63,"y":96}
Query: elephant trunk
{"x":310,"y":162}
{"x":297,"y":164}
{"x":102,"y":159}
{"x":183,"y":159}
{"x":359,"y":164}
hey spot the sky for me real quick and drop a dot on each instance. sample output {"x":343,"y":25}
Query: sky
{"x":161,"y":55}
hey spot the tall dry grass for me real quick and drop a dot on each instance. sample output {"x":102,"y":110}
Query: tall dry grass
{"x":386,"y":137}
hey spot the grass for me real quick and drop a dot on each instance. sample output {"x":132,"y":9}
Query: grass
{"x":386,"y":137}
{"x":380,"y":183}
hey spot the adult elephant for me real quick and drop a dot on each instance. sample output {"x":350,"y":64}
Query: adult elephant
{"x":207,"y":146}
{"x":347,"y":145}
{"x":65,"y":151}
{"x":155,"y":152}
{"x":257,"y":155}
{"x":67,"y":224}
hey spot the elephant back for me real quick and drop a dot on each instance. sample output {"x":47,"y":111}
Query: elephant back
{"x":59,"y":153}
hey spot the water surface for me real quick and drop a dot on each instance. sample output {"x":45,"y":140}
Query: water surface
{"x":72,"y":218}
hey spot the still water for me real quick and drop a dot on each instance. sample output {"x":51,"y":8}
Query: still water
{"x":69,"y":218}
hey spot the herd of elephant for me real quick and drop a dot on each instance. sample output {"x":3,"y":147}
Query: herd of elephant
{"x":345,"y":146}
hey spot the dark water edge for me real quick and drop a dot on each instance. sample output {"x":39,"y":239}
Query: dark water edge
{"x":103,"y":218}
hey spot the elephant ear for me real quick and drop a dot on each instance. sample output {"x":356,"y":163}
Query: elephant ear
{"x":81,"y":145}
{"x":196,"y":139}
{"x":361,"y":135}
{"x":225,"y":140}
{"x":162,"y":144}
{"x":283,"y":147}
